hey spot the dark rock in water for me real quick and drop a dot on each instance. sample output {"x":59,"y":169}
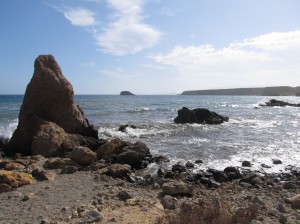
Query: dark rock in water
{"x":122,"y":128}
{"x":49,"y":97}
{"x":279,"y":103}
{"x":198,"y":161}
{"x":277,"y":161}
{"x":189,"y":165}
{"x":200,"y":116}
{"x":246,"y":164}
{"x":126,"y":93}
{"x":265,"y":166}
{"x":179,"y":168}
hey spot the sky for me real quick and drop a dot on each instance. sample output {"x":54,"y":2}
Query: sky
{"x":152,"y":46}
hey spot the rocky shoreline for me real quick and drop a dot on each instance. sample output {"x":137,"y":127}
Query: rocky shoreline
{"x":59,"y":171}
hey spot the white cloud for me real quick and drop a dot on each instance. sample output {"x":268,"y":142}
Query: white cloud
{"x":80,"y":17}
{"x":270,"y":59}
{"x":260,"y":53}
{"x":127,"y":34}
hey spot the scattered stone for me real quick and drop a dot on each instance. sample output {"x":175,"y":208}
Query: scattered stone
{"x":200,"y":116}
{"x":28,"y":196}
{"x":124,"y":195}
{"x":177,"y":188}
{"x":281,"y":208}
{"x":90,"y":217}
{"x":277,"y":161}
{"x":282,"y":218}
{"x":169,"y":202}
{"x":83,"y":155}
{"x":161,"y":172}
{"x":246,"y":164}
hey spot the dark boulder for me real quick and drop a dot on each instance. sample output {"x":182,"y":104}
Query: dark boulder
{"x":122,"y":128}
{"x":117,"y":150}
{"x":200,"y":116}
{"x":3,"y":142}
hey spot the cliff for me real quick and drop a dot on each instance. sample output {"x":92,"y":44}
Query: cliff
{"x":264,"y":91}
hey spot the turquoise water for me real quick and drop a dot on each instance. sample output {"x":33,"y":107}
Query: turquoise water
{"x":258,"y":135}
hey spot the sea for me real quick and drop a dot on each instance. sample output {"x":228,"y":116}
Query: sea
{"x":254,"y":133}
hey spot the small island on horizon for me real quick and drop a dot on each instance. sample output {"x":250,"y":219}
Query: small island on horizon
{"x":126,"y":93}
{"x":261,"y":91}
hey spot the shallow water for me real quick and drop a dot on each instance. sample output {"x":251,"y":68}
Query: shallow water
{"x":257,"y":135}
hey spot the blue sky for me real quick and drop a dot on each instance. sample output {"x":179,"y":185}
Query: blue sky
{"x":152,"y":46}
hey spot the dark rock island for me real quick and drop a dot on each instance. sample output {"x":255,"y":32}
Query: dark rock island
{"x":266,"y":91}
{"x":200,"y":116}
{"x":126,"y":93}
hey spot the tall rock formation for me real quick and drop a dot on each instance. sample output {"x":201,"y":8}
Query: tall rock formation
{"x":49,"y":97}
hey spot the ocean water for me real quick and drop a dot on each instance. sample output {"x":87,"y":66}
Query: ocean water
{"x":258,"y":135}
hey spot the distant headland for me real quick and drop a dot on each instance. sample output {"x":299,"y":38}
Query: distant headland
{"x":126,"y":93}
{"x":263,"y":91}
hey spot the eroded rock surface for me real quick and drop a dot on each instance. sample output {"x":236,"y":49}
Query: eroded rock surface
{"x":49,"y":97}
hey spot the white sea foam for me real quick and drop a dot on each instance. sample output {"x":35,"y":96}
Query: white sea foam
{"x":6,"y":130}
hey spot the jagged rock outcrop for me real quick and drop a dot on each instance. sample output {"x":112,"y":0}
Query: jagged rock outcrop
{"x":49,"y":97}
{"x":200,"y":116}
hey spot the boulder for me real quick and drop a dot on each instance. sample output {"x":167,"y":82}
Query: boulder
{"x":123,"y":152}
{"x":83,"y":155}
{"x":200,"y":116}
{"x":111,"y":147}
{"x":118,"y":170}
{"x":48,"y":139}
{"x":126,"y":93}
{"x":49,"y":97}
{"x":15,"y":179}
{"x":174,"y":188}
{"x":11,"y":165}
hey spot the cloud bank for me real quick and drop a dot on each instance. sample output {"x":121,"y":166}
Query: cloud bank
{"x":273,"y":54}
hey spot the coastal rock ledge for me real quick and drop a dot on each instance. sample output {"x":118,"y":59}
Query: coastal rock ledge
{"x":200,"y":116}
{"x":48,"y":112}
